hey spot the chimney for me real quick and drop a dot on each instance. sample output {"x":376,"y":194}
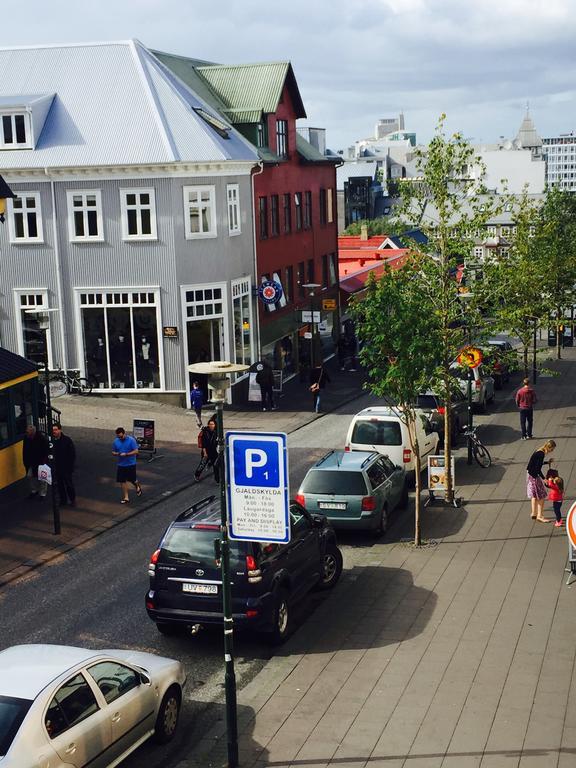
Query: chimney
{"x":364,"y":232}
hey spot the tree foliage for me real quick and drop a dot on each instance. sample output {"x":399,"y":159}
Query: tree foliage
{"x":399,"y":347}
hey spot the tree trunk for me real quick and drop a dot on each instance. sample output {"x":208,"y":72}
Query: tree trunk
{"x":415,"y":448}
{"x":558,"y":344}
{"x":448,"y":451}
{"x":525,"y":356}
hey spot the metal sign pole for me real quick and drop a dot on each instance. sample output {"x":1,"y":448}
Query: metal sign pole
{"x":49,"y":424}
{"x":230,"y":675}
{"x":470,"y":414}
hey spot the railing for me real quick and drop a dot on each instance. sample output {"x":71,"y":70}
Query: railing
{"x":43,"y":416}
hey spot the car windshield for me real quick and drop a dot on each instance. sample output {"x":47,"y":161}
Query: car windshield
{"x":334,"y":481}
{"x":12,"y":712}
{"x":377,"y":432}
{"x":190,"y":545}
{"x":426,"y":401}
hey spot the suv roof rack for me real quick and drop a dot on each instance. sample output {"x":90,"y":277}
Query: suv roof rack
{"x":194,"y":508}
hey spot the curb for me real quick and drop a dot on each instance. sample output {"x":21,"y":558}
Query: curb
{"x":63,"y":548}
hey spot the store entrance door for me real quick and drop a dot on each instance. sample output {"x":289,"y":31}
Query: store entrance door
{"x":205,"y":344}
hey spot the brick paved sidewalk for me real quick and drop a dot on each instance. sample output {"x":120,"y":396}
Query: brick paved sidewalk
{"x":460,"y":654}
{"x":26,"y":525}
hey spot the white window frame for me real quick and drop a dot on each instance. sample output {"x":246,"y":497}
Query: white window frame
{"x":130,"y":302}
{"x":138,"y":207}
{"x":12,"y":213}
{"x":14,"y":144}
{"x":33,"y":298}
{"x":74,"y":238}
{"x":233,"y":205}
{"x":239,"y":288}
{"x":186,"y":191}
{"x":330,"y":205}
{"x":478,"y":252}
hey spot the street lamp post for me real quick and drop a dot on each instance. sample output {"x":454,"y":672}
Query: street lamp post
{"x":311,"y":287}
{"x":218,"y":382}
{"x":44,"y":326}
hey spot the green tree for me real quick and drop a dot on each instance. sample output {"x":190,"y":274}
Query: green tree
{"x":399,"y":348}
{"x":450,"y":207}
{"x":555,"y":248}
{"x":512,"y":285}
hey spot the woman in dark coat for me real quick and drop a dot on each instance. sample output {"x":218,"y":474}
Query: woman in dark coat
{"x":535,"y":488}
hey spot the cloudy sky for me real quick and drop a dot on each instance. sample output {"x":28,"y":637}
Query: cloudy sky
{"x":357,"y":60}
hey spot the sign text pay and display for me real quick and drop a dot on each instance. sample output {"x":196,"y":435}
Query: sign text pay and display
{"x":257,"y":465}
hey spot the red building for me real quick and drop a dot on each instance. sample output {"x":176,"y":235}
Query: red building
{"x":296,"y":235}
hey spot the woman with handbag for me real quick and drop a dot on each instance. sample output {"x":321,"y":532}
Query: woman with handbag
{"x":318,"y":380}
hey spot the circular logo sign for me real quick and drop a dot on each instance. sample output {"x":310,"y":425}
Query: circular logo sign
{"x":270,"y":291}
{"x":470,"y":357}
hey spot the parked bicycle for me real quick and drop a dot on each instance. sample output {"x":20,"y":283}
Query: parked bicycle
{"x":62,"y":382}
{"x":479,"y":451}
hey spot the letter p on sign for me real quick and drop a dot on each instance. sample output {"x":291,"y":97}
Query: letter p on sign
{"x":256,"y":462}
{"x":255,"y":457}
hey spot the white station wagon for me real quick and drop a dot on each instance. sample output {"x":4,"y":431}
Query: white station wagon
{"x":64,"y":707}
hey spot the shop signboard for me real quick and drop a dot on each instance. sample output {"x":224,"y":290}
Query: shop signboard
{"x":437,"y":475}
{"x":144,"y":434}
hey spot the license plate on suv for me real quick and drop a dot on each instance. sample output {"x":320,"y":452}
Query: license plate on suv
{"x":200,"y":589}
{"x":332,"y":504}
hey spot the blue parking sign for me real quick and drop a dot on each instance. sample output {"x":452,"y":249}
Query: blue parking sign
{"x":257,"y":482}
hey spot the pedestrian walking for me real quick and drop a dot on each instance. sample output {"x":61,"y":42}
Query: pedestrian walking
{"x":555,"y":485}
{"x":126,"y":448}
{"x":318,"y":380}
{"x":525,"y":400}
{"x":197,"y":400}
{"x":64,"y":461}
{"x":34,"y":453}
{"x":535,"y":488}
{"x":265,"y":379}
{"x":208,"y":444}
{"x":342,"y":349}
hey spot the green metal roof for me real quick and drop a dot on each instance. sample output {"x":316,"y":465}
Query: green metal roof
{"x":242,"y":116}
{"x":250,"y":86}
{"x":185,"y":69}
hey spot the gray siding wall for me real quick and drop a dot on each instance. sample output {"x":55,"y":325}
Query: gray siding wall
{"x":168,"y":262}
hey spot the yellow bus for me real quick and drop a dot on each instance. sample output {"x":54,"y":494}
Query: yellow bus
{"x":19,"y":406}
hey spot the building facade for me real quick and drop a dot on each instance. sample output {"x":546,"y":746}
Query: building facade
{"x":560,"y":153}
{"x":294,"y":200}
{"x":132,"y":222}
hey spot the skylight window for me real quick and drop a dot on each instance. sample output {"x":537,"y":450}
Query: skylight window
{"x":221,"y":128}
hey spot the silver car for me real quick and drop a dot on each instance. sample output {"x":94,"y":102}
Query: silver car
{"x":64,"y":707}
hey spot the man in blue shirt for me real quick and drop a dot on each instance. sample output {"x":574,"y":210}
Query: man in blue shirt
{"x":126,"y":448}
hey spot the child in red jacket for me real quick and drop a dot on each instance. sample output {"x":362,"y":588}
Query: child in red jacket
{"x":555,"y":494}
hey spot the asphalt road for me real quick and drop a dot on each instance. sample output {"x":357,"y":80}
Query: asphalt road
{"x":94,"y":597}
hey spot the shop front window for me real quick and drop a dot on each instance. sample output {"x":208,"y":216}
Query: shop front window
{"x":121,"y":339}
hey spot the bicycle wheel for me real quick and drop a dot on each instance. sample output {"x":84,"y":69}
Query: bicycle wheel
{"x":58,"y":387}
{"x":83,"y":386}
{"x":481,"y":455}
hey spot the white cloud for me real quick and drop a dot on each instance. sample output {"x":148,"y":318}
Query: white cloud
{"x":358,"y":60}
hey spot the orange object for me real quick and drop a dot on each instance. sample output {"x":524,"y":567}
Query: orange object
{"x":470,"y":356}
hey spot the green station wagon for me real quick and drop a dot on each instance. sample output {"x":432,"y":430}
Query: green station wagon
{"x":354,"y":489}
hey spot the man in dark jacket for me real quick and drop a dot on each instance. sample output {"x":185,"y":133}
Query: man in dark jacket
{"x":265,"y":378}
{"x":34,"y":453}
{"x":64,"y":461}
{"x":209,"y":451}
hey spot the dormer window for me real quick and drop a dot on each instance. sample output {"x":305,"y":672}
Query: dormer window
{"x":14,"y":131}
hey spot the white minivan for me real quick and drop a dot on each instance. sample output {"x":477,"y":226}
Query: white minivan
{"x":381,"y":429}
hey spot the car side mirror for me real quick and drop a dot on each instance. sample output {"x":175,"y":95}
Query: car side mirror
{"x":145,"y":679}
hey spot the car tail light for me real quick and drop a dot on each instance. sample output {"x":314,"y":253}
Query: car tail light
{"x":406,"y":455}
{"x":441,"y":410}
{"x":152,"y":564}
{"x":347,"y":448}
{"x":251,"y":614}
{"x":368,"y":504}
{"x":150,"y":600}
{"x":301,"y":499}
{"x":254,"y":573}
{"x":478,"y":384}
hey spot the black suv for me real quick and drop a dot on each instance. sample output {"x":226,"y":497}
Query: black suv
{"x":267,"y":579}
